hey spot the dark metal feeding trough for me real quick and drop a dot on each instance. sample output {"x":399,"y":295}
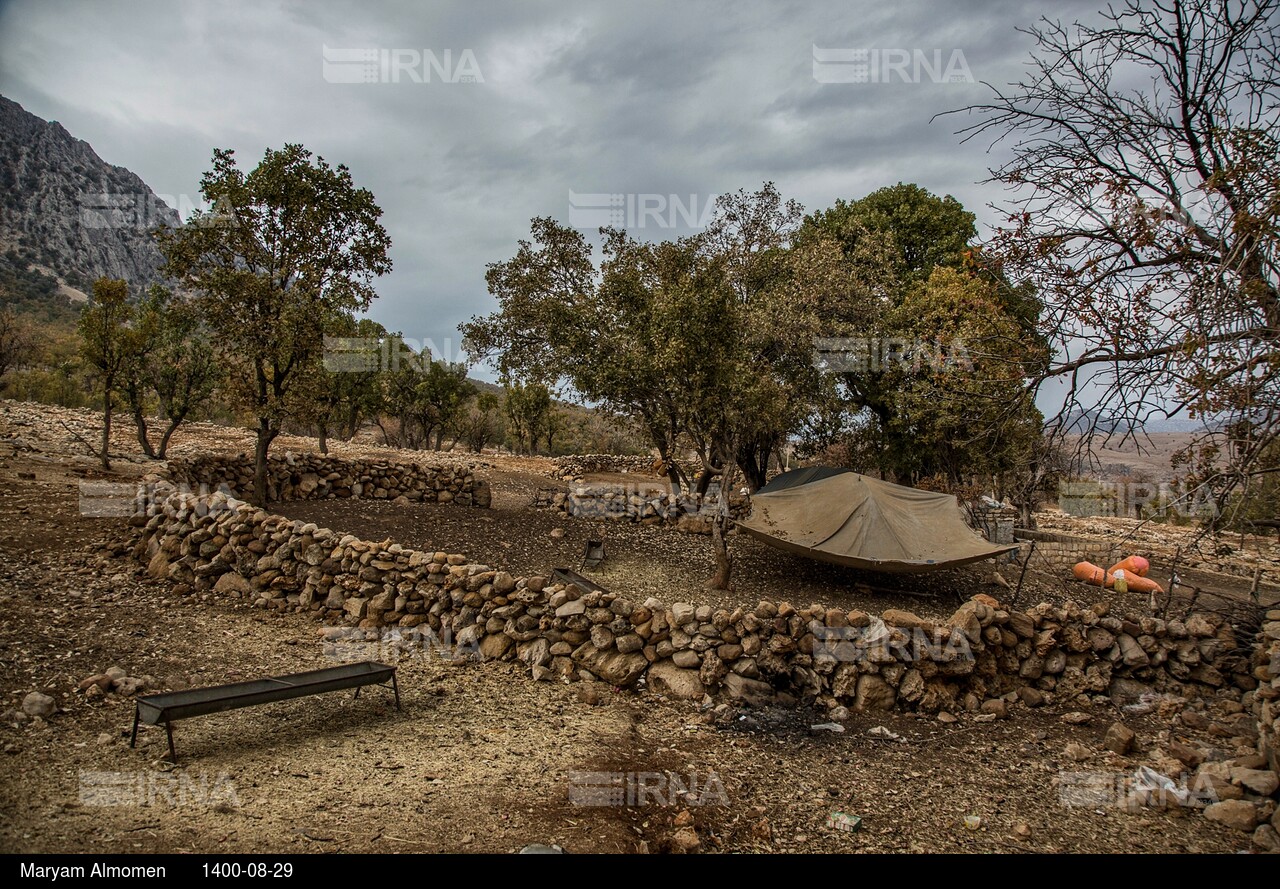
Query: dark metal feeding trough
{"x":592,"y":553}
{"x":169,"y":707}
{"x":569,"y":576}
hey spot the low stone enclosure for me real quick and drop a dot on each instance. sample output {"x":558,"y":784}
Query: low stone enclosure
{"x":982,"y":657}
{"x":315,"y":477}
{"x":687,"y":511}
{"x":1065,"y":550}
{"x":578,"y":465}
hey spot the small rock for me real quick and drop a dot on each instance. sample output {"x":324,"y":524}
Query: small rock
{"x":102,"y":680}
{"x":884,"y":734}
{"x":995,"y":707}
{"x":37,"y":704}
{"x":945,"y":718}
{"x":839,"y":714}
{"x":557,"y":533}
{"x":1076,"y":717}
{"x":1265,"y":837}
{"x":1076,"y":751}
{"x":1234,"y":813}
{"x":1032,"y":697}
{"x":1193,"y":720}
{"x":1261,"y":781}
{"x":1189,"y":756}
{"x":1022,"y":829}
{"x":834,"y":727}
{"x":128,"y":686}
{"x":588,"y":693}
{"x":1119,"y":738}
{"x":685,"y":840}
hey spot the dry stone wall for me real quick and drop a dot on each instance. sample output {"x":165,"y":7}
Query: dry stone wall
{"x":1065,"y":550}
{"x":1266,"y":700}
{"x":578,"y":465}
{"x":774,"y":651}
{"x":688,"y":511}
{"x":316,"y":477}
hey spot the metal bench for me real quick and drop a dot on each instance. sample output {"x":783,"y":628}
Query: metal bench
{"x":171,"y":706}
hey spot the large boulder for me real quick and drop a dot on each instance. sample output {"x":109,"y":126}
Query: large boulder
{"x":752,"y":692}
{"x":232,"y":584}
{"x":874,"y":693}
{"x":611,"y":665}
{"x":666,"y":678}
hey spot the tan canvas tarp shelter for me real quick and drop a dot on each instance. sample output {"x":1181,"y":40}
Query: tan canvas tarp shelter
{"x":850,"y":519}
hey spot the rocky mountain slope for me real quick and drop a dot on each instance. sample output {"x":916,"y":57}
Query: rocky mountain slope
{"x":66,"y":210}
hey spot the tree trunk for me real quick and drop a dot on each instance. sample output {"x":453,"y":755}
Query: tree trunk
{"x":719,"y":531}
{"x":263,"y":444}
{"x":163,"y":450}
{"x":704,"y":481}
{"x":140,"y":421}
{"x":323,"y":438}
{"x":724,"y":562}
{"x":754,"y":463}
{"x":106,"y":427}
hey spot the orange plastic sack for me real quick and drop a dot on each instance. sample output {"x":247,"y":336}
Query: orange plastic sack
{"x":1091,"y":573}
{"x":1139,"y":584}
{"x":1133,"y":566}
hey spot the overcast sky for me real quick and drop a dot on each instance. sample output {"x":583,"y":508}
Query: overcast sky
{"x":525,"y":103}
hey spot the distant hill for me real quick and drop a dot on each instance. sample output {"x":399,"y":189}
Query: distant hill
{"x":68,"y":215}
{"x":1080,"y":422}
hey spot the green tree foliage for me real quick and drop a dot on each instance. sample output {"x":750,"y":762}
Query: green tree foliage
{"x":962,"y":407}
{"x":169,"y":360}
{"x":940,"y":347}
{"x":15,"y":340}
{"x":528,"y":408}
{"x":481,"y":422}
{"x":105,"y":345}
{"x":346,"y":388}
{"x":55,"y":372}
{"x":922,"y":230}
{"x":292,"y":245}
{"x":427,"y":398}
{"x":705,"y":340}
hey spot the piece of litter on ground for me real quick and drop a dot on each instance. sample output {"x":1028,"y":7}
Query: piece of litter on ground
{"x":827,"y":727}
{"x":884,"y":734}
{"x":844,"y":822}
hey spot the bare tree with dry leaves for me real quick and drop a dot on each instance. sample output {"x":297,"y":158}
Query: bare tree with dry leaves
{"x":1145,"y":176}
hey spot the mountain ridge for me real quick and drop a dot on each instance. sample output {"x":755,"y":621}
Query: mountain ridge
{"x":66,"y":210}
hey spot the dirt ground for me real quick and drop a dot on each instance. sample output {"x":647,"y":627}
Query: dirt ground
{"x":482,"y":758}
